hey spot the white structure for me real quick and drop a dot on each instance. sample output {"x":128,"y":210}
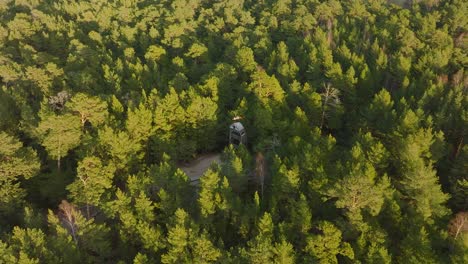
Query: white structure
{"x":237,"y":134}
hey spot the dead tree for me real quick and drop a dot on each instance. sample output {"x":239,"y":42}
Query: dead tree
{"x":68,"y":215}
{"x":330,"y":100}
{"x":260,"y":170}
{"x":459,"y":224}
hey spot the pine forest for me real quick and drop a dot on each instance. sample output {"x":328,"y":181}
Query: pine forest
{"x":233,"y":131}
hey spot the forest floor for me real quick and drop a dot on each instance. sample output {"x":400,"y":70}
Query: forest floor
{"x":197,"y":167}
{"x":400,"y":2}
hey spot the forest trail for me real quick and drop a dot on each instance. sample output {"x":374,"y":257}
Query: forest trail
{"x":197,"y":167}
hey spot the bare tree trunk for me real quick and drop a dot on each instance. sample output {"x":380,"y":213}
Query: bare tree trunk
{"x":330,"y":98}
{"x":260,"y":170}
{"x":324,"y":104}
{"x":329,"y":31}
{"x":323,"y":117}
{"x":458,"y":148}
{"x":459,"y":224}
{"x":87,"y":210}
{"x":59,"y":154}
{"x":67,"y":214}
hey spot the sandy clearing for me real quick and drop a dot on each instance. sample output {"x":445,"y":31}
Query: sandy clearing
{"x":196,"y":168}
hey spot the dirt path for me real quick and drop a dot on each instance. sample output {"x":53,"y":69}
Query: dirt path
{"x":196,"y":168}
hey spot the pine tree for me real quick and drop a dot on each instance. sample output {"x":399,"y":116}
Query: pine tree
{"x":139,"y":123}
{"x":28,"y":246}
{"x":372,"y":245}
{"x":178,"y":241}
{"x":137,"y":229}
{"x":123,"y":151}
{"x":201,"y":116}
{"x":416,"y":247}
{"x":459,"y":180}
{"x":209,"y":197}
{"x":169,"y":117}
{"x":76,"y":238}
{"x":245,"y":60}
{"x":16,"y":163}
{"x":266,"y":88}
{"x":204,"y":251}
{"x":361,"y":188}
{"x":59,"y":134}
{"x":419,"y":181}
{"x":380,"y":113}
{"x":285,"y":184}
{"x":324,"y":247}
{"x":93,"y":180}
{"x":219,"y":206}
{"x":172,"y":186}
{"x":186,"y":245}
{"x":284,"y":253}
{"x":260,"y":248}
{"x":234,"y":169}
{"x":89,"y":108}
{"x":282,"y":64}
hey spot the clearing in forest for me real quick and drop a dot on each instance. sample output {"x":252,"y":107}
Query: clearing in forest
{"x":197,"y":167}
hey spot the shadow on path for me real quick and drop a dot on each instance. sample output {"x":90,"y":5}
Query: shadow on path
{"x":197,"y":167}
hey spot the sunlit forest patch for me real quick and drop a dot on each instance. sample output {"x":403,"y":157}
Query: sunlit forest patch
{"x":233,"y":131}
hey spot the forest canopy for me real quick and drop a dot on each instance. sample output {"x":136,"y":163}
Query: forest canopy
{"x":356,"y":113}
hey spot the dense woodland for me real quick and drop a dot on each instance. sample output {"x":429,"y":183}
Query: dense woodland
{"x":360,"y":108}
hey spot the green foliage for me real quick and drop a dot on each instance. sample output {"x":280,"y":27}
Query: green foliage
{"x":210,"y":197}
{"x":59,"y":134}
{"x":135,"y":215}
{"x":89,"y":108}
{"x":325,"y":246}
{"x":266,"y":88}
{"x":185,"y":244}
{"x":118,"y":145}
{"x":419,"y":180}
{"x":260,"y":248}
{"x":361,"y":188}
{"x":356,"y":112}
{"x":93,"y":180}
{"x":245,"y":60}
{"x":16,"y":163}
{"x":28,"y":246}
{"x":234,"y":167}
{"x":139,"y":123}
{"x":76,"y":238}
{"x":416,"y":248}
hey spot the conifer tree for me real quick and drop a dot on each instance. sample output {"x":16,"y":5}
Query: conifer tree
{"x":359,"y":109}
{"x":234,"y":169}
{"x":123,"y":150}
{"x":89,"y":108}
{"x":59,"y":134}
{"x":284,"y":253}
{"x":76,"y":238}
{"x":27,"y":246}
{"x":186,"y":245}
{"x":139,"y":123}
{"x":245,"y":60}
{"x":419,"y":181}
{"x":260,"y":248}
{"x":93,"y":180}
{"x":361,"y":189}
{"x":16,"y":163}
{"x":416,"y":247}
{"x":325,"y":247}
{"x":201,"y":115}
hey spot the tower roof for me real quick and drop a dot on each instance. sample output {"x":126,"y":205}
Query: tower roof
{"x":237,"y":126}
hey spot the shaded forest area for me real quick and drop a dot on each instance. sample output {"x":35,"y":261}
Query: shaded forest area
{"x":359,"y":107}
